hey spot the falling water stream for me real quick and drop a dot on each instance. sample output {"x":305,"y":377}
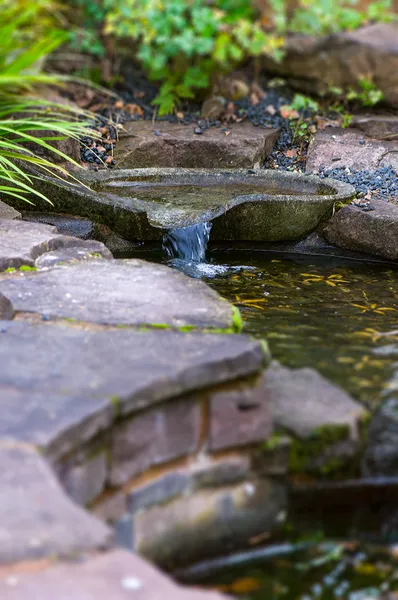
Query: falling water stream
{"x":188,"y":243}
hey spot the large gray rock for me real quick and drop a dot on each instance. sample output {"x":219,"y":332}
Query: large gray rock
{"x":123,"y":292}
{"x":261,"y":205}
{"x":163,"y":144}
{"x":209,"y":521}
{"x":334,"y":147}
{"x":316,"y":64}
{"x":374,"y":231}
{"x":61,"y":385}
{"x":8,"y":212}
{"x":116,"y":575}
{"x":22,"y":243}
{"x":36,"y":517}
{"x":302,"y":402}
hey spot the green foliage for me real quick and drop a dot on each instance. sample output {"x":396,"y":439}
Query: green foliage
{"x":368,"y":93}
{"x":27,"y":35}
{"x":185,"y":43}
{"x":304,"y":103}
{"x":365,"y":94}
{"x":320,"y":17}
{"x":85,"y":37}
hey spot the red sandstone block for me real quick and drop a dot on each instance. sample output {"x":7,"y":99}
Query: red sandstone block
{"x":239,"y":417}
{"x":168,"y":432}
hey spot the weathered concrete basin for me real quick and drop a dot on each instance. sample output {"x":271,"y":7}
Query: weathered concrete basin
{"x":261,"y":205}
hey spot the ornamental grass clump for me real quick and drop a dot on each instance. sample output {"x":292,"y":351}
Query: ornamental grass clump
{"x":27,"y":123}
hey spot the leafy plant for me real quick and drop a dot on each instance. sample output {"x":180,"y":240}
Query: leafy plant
{"x":27,"y":35}
{"x":186,"y":43}
{"x":368,"y":93}
{"x":86,"y":35}
{"x":304,"y":103}
{"x":320,"y":17}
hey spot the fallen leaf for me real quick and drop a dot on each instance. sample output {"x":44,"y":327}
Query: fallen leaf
{"x":287,"y":112}
{"x":134,"y":109}
{"x":244,"y":585}
{"x":118,"y":104}
{"x":180,"y":115}
{"x":292,"y":153}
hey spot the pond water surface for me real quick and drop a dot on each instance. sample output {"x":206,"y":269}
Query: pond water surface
{"x":340,"y":317}
{"x":335,"y":315}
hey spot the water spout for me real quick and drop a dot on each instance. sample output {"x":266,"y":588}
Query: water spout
{"x":187,"y":243}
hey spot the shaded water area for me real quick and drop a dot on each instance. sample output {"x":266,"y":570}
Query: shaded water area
{"x":335,"y":315}
{"x":340,"y":317}
{"x":319,"y":572}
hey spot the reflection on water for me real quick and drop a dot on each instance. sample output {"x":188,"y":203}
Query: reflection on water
{"x":323,"y":572}
{"x":340,"y":317}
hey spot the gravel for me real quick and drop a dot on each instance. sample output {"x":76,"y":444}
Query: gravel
{"x":381,"y":183}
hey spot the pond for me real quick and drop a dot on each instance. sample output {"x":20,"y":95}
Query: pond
{"x":337,"y":316}
{"x":321,"y":572}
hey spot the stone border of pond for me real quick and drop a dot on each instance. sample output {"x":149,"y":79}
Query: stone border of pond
{"x":135,"y":413}
{"x":256,"y":216}
{"x":129,"y":396}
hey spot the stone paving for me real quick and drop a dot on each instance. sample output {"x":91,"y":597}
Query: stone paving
{"x":144,"y":144}
{"x":87,"y":344}
{"x":120,"y":391}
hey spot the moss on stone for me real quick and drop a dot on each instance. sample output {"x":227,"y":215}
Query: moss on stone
{"x":115,"y":401}
{"x":237,"y":320}
{"x":22,"y":268}
{"x":304,"y":453}
{"x":27,"y":268}
{"x":266,"y":351}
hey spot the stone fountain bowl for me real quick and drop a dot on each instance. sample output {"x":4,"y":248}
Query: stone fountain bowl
{"x":245,"y":205}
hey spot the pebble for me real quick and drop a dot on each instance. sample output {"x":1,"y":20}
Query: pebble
{"x":381,"y":183}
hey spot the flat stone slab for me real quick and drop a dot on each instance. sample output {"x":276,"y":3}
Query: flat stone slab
{"x":8,"y":212}
{"x":22,"y":243}
{"x":83,"y":228}
{"x":86,"y":250}
{"x":374,"y":231}
{"x":117,"y":575}
{"x":334,"y":147}
{"x":61,"y":385}
{"x":123,"y":292}
{"x":69,"y":225}
{"x":37,"y":519}
{"x":163,"y":144}
{"x":381,"y":127}
{"x":302,"y":401}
